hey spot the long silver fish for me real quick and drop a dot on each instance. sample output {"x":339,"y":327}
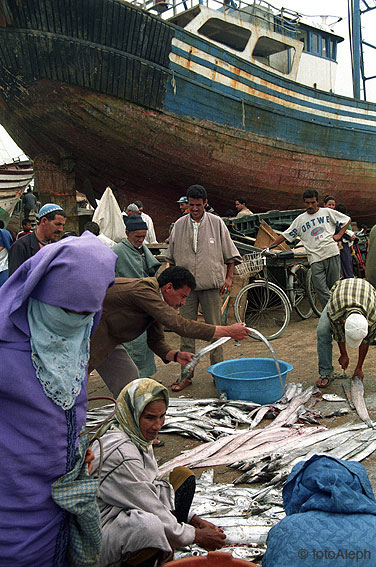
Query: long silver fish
{"x":189,"y":427}
{"x":357,"y":396}
{"x":346,"y":389}
{"x":295,"y":403}
{"x":365,"y":452}
{"x":259,"y":416}
{"x":188,"y":369}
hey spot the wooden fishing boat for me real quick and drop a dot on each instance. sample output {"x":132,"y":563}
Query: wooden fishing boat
{"x":14,"y":178}
{"x":239,"y":99}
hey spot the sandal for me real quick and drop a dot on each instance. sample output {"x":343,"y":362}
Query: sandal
{"x":328,"y":380}
{"x":178,"y":387}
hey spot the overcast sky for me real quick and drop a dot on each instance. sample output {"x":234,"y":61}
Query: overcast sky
{"x":306,"y":7}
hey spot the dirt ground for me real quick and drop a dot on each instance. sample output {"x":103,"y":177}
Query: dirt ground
{"x":297,"y":346}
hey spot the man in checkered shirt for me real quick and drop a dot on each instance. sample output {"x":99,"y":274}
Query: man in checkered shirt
{"x":350,"y":316}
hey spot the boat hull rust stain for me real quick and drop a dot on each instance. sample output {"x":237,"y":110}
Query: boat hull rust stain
{"x":105,"y":137}
{"x":148,"y":108}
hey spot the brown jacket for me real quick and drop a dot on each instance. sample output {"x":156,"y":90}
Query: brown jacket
{"x":132,"y":306}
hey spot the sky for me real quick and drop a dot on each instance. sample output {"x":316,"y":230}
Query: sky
{"x":307,"y":7}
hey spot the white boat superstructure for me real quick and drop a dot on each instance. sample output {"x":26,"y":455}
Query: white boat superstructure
{"x":295,"y":46}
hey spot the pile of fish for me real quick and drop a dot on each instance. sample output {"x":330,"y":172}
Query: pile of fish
{"x":268,"y":455}
{"x":262,"y":455}
{"x":212,"y":418}
{"x":245,"y":514}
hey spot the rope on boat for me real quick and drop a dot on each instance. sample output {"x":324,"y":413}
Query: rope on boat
{"x":243,"y":113}
{"x":173,"y":82}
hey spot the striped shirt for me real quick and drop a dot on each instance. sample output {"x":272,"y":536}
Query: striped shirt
{"x":352,"y":295}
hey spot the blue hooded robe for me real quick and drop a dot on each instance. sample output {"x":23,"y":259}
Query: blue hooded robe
{"x":330,"y":517}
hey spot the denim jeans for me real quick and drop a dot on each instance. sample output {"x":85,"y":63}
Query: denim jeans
{"x":324,"y":344}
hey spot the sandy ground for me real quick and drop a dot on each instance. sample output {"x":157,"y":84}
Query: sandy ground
{"x":297,"y":345}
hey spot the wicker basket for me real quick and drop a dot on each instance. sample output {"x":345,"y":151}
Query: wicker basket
{"x":253,"y":263}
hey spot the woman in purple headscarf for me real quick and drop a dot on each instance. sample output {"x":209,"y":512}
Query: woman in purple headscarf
{"x":48,"y":309}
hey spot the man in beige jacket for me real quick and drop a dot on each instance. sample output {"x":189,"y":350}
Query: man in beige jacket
{"x":201,"y":243}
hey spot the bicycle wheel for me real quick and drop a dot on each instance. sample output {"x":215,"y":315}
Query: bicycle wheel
{"x":311,"y":292}
{"x":359,"y":271}
{"x":298,"y":291}
{"x":263,"y":306}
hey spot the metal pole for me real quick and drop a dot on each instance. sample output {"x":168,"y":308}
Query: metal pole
{"x":356,"y":47}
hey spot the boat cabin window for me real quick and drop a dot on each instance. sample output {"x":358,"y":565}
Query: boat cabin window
{"x":315,"y":43}
{"x":319,"y":43}
{"x":228,"y":34}
{"x":275,"y":54}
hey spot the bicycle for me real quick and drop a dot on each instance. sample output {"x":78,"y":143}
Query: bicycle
{"x":263,"y":304}
{"x":359,"y":256}
{"x":311,"y":294}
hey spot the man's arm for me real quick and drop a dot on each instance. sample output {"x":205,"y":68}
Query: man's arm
{"x":277,"y":241}
{"x":339,"y":234}
{"x":363,"y":349}
{"x":343,"y":359}
{"x":161,"y":348}
{"x":229,"y":277}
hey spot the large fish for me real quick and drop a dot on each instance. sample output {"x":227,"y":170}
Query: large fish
{"x":297,"y":402}
{"x":357,"y":396}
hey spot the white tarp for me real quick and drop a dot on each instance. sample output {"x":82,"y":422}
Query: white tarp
{"x":108,"y":216}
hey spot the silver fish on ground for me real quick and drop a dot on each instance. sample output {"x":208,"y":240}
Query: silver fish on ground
{"x":332,"y":398}
{"x":357,"y":396}
{"x":346,"y":389}
{"x":337,"y":413}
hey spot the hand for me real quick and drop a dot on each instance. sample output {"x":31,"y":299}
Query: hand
{"x":343,"y":361}
{"x":89,"y":458}
{"x":209,"y":538}
{"x":358,"y":372}
{"x":184,"y":357}
{"x":226,"y":286}
{"x":198,"y":522}
{"x":237,"y":331}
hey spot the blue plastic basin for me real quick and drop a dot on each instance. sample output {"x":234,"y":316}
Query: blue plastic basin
{"x":250,"y":379}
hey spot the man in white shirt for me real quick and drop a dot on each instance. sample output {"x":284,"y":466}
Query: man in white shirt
{"x":241,"y":207}
{"x":316,"y":229}
{"x":150,"y":237}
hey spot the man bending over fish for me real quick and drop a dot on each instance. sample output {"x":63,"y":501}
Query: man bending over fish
{"x":136,"y":305}
{"x":350,"y":316}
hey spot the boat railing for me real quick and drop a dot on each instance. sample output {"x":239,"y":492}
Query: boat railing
{"x":258,"y":11}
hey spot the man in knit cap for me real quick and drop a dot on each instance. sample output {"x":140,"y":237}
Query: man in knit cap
{"x":131,"y":210}
{"x":51,"y":221}
{"x":136,"y":261}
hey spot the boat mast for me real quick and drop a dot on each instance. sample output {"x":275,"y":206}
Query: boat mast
{"x":357,"y":45}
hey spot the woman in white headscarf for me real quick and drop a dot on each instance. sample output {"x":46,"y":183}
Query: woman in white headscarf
{"x":144,"y":519}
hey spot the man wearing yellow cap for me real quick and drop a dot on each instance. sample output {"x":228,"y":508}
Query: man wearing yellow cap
{"x":350,"y":316}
